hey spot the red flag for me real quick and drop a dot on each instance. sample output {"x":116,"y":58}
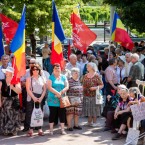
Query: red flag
{"x":82,"y":35}
{"x":9,"y":28}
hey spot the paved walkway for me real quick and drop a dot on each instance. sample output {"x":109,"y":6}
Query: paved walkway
{"x":86,"y":136}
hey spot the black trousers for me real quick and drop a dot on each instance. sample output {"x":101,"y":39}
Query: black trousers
{"x":122,"y":119}
{"x":29,"y":110}
{"x":56,"y":111}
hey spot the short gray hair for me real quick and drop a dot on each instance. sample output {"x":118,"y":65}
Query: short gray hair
{"x":5,"y":55}
{"x":72,"y":55}
{"x":93,"y":65}
{"x":136,"y":56}
{"x":75,"y":69}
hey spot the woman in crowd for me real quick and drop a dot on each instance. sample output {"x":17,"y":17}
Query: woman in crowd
{"x":65,"y":71}
{"x":111,"y":77}
{"x":91,"y":82}
{"x":74,"y":93}
{"x":122,"y":113}
{"x":36,"y":89}
{"x":110,"y":107}
{"x":57,"y":86}
{"x":9,"y":103}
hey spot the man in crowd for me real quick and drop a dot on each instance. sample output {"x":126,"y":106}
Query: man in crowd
{"x":27,"y":49}
{"x":135,"y":71}
{"x":5,"y":63}
{"x":73,"y":63}
{"x":128,"y":63}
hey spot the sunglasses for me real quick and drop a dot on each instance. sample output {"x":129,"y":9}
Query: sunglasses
{"x":5,"y":59}
{"x":31,"y":63}
{"x":36,"y":69}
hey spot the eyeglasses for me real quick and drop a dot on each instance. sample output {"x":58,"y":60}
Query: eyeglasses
{"x":31,"y":62}
{"x":36,"y":69}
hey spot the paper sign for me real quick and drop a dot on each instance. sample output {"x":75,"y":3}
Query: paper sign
{"x":132,"y":136}
{"x":138,"y":111}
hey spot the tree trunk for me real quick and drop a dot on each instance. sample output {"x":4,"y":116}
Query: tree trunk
{"x":33,"y":43}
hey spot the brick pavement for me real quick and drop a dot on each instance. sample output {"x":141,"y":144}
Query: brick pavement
{"x":86,"y":136}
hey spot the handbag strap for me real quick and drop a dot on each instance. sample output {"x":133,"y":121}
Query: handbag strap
{"x":31,"y":84}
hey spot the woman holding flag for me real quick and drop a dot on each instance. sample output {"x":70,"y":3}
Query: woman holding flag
{"x":9,"y":104}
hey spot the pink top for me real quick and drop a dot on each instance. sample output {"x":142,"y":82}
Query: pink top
{"x":111,"y":75}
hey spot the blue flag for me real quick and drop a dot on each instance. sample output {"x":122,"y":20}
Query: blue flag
{"x":1,"y":43}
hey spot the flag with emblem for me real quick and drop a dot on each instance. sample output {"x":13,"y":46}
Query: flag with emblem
{"x":9,"y":28}
{"x":57,"y":37}
{"x":119,"y":33}
{"x":82,"y":35}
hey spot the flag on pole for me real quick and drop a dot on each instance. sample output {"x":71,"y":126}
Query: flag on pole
{"x":18,"y":49}
{"x":9,"y":28}
{"x":57,"y":37}
{"x":119,"y":33}
{"x":1,"y":43}
{"x":82,"y":35}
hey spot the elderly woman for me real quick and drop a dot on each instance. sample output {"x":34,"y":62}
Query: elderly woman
{"x":36,"y":89}
{"x":75,"y":94}
{"x":57,"y":86}
{"x":9,"y":103}
{"x":122,"y":113}
{"x":91,"y":82}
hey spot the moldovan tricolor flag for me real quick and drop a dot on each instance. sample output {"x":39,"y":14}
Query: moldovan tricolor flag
{"x":18,"y":49}
{"x":82,"y":35}
{"x":9,"y":28}
{"x":119,"y":33}
{"x":57,"y":37}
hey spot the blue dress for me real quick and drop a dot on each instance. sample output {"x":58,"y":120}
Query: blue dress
{"x":58,"y":85}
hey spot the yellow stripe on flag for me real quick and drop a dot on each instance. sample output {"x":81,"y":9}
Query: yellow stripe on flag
{"x":120,"y":25}
{"x":52,"y":31}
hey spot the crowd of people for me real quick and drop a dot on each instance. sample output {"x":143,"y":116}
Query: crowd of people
{"x":115,"y":74}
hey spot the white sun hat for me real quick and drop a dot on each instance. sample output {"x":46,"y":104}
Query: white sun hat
{"x":122,"y":58}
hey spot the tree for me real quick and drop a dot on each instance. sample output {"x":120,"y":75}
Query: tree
{"x":95,"y":13}
{"x":132,"y":13}
{"x":38,"y":15}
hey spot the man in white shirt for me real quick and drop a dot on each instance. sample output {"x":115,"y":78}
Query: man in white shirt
{"x":73,"y":63}
{"x":5,"y":63}
{"x":128,"y":63}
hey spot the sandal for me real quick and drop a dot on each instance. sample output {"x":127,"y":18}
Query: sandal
{"x":29,"y":134}
{"x":41,"y":133}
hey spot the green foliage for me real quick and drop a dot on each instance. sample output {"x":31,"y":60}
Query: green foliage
{"x":93,"y":2}
{"x":39,"y":13}
{"x":132,"y":13}
{"x":95,"y":14}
